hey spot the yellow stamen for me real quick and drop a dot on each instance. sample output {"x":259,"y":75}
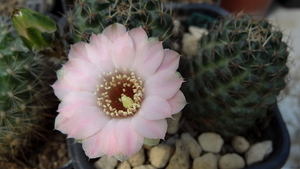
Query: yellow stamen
{"x":121,"y":93}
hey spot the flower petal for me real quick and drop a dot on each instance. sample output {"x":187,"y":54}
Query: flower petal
{"x":91,"y":146}
{"x":123,"y":52}
{"x":155,"y":108}
{"x":80,"y":128}
{"x":177,"y":102}
{"x":152,"y":129}
{"x":62,"y":88}
{"x":114,"y":31}
{"x":139,"y":37}
{"x":164,"y":83}
{"x":107,"y":136}
{"x":128,"y":140}
{"x":78,"y":50}
{"x":170,"y":61}
{"x":76,"y":100}
{"x":148,"y":58}
{"x":99,"y":52}
{"x":81,"y":74}
{"x":60,"y":119}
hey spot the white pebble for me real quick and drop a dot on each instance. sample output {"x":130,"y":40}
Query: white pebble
{"x":190,"y":40}
{"x":231,"y":161}
{"x":240,"y":144}
{"x":173,"y":123}
{"x":145,"y":167}
{"x":137,"y":159}
{"x":124,"y":165}
{"x":211,"y":142}
{"x":176,"y":29}
{"x":107,"y":163}
{"x":197,"y":32}
{"x":180,"y":159}
{"x":194,"y":148}
{"x":159,"y":155}
{"x":189,"y":44}
{"x":257,"y":152}
{"x":206,"y":161}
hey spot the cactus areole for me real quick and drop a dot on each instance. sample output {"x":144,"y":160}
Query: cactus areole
{"x":238,"y":71}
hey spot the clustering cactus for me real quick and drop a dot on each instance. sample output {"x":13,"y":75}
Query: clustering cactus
{"x":238,"y":71}
{"x":92,"y":16}
{"x":23,"y":88}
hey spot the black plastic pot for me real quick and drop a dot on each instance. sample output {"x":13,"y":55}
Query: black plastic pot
{"x":200,"y":15}
{"x":281,"y":143}
{"x":185,"y":10}
{"x":277,"y":128}
{"x":77,"y":155}
{"x":290,"y":3}
{"x":175,"y":5}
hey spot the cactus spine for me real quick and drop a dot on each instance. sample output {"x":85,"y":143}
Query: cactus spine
{"x":92,"y":16}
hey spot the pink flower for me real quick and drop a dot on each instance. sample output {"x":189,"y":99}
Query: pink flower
{"x":117,"y":91}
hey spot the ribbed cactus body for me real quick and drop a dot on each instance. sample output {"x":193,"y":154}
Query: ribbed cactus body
{"x":92,"y":16}
{"x":22,"y":88}
{"x":239,"y":69}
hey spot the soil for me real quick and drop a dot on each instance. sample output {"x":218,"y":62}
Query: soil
{"x":50,"y":154}
{"x":54,"y":154}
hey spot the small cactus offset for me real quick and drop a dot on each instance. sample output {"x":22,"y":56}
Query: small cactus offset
{"x":92,"y":16}
{"x":238,"y":71}
{"x":23,"y":88}
{"x":39,"y":34}
{"x":36,"y":30}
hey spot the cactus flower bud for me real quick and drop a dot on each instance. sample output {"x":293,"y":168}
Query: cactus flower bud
{"x":36,"y":30}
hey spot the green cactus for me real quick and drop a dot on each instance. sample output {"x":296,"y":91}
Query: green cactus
{"x":23,"y":92}
{"x":92,"y":16}
{"x":238,"y":71}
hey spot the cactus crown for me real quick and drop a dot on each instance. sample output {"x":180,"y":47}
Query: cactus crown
{"x":239,"y":69}
{"x":92,"y":16}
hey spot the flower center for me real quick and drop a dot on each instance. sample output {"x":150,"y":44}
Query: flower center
{"x":121,"y":93}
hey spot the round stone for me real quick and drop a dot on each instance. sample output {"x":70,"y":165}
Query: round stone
{"x":211,"y":142}
{"x":206,"y":161}
{"x":257,"y":152}
{"x":240,"y":144}
{"x":231,"y":161}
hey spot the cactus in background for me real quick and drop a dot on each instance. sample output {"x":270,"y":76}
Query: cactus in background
{"x":39,"y":33}
{"x":23,"y":93}
{"x":92,"y":16}
{"x":238,"y":71}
